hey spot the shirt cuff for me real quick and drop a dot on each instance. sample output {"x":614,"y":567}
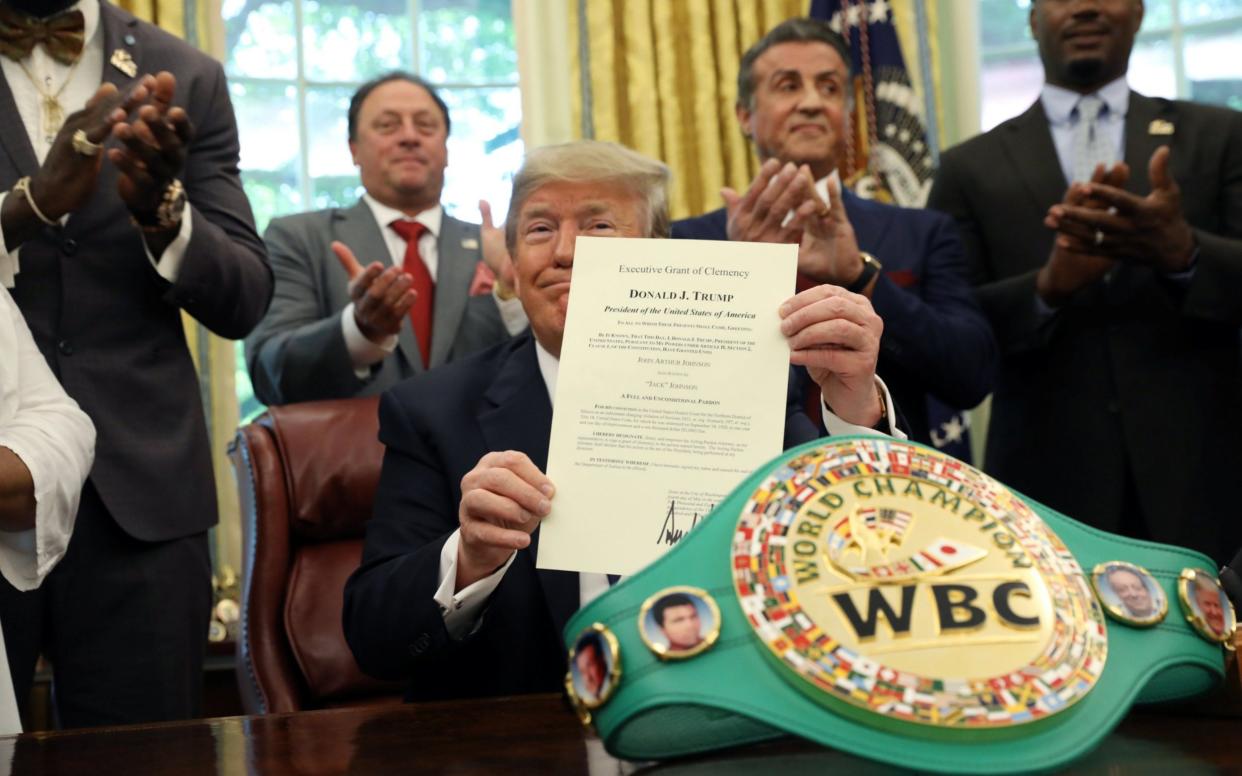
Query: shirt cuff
{"x":363,"y":353}
{"x":9,"y":266}
{"x":1043,"y":310}
{"x":838,"y":427}
{"x":511,"y":312}
{"x":1181,"y":278}
{"x":168,"y":266}
{"x":463,"y":610}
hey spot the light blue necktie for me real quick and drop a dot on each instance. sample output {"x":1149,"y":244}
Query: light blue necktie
{"x":1091,"y":146}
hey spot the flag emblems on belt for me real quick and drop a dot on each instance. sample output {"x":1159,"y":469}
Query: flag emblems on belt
{"x":901,"y":586}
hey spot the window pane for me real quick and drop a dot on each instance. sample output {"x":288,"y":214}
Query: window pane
{"x":334,"y":179}
{"x":467,"y":41}
{"x":1207,"y":10}
{"x":485,"y":149}
{"x":260,"y":39}
{"x":1004,"y":22}
{"x":1151,"y":68}
{"x":1008,"y":87}
{"x":267,"y":122}
{"x":248,"y":406}
{"x":355,"y":41}
{"x":1158,"y":14}
{"x":1212,"y":68}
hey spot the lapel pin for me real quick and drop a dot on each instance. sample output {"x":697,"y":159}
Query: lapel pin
{"x":1160,"y":127}
{"x":122,"y":61}
{"x":129,"y":40}
{"x":470,"y":244}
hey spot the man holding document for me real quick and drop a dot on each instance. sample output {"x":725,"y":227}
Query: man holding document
{"x":448,"y":594}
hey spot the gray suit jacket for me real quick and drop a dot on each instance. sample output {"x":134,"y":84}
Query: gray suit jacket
{"x":110,"y":326}
{"x":298,"y":351}
{"x":1127,"y":398}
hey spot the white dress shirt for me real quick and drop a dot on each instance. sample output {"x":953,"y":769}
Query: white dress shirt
{"x":362,"y":351}
{"x":79,"y":82}
{"x":56,"y":441}
{"x":462,"y":609}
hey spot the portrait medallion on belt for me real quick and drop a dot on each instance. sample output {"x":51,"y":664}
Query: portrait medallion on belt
{"x":1207,"y":608}
{"x":1129,"y":593}
{"x":594,"y":669}
{"x":679,"y":622}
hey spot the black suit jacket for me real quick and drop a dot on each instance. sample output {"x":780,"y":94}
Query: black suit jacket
{"x":1134,"y":385}
{"x":436,"y":427}
{"x":936,"y":340}
{"x":110,"y":326}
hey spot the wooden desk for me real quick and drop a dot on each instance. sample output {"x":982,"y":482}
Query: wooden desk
{"x":530,"y":735}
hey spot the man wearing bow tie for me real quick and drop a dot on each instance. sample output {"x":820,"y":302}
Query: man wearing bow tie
{"x":121,"y":209}
{"x":425,"y":297}
{"x":1104,"y":234}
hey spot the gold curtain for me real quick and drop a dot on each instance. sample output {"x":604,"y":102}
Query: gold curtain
{"x":215,"y":358}
{"x":663,"y":77}
{"x":663,"y":81}
{"x":168,"y":14}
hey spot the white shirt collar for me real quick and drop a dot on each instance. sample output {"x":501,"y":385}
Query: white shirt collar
{"x":549,"y":368}
{"x":384,"y":215}
{"x":90,"y":17}
{"x":1059,"y":103}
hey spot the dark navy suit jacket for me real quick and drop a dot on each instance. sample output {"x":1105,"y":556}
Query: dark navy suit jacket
{"x":436,"y":427}
{"x":936,"y":339}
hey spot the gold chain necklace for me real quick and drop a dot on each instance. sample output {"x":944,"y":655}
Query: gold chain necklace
{"x":53,"y":111}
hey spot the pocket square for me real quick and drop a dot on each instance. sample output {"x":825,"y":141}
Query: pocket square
{"x":1160,"y":127}
{"x":483,"y":280}
{"x":470,"y":244}
{"x":903,"y":278}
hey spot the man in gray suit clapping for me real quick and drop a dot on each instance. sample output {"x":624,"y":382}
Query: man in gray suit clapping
{"x":340,"y":326}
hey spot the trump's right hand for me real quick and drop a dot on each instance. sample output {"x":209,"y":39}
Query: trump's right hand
{"x":503,"y":499}
{"x":382,"y":297}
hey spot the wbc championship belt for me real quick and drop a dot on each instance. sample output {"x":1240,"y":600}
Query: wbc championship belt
{"x":882,"y":598}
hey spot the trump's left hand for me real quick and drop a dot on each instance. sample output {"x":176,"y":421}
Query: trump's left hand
{"x":835,"y":334}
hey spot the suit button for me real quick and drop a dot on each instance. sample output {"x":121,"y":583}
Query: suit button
{"x":69,"y":246}
{"x":65,"y":347}
{"x":420,"y":644}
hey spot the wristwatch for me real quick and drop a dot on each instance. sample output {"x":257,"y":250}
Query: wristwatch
{"x":167,"y":213}
{"x":871,"y":267}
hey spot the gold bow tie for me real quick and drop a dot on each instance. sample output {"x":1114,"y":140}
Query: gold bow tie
{"x":62,"y":36}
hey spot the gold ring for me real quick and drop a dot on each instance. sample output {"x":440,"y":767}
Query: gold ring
{"x":83,"y":145}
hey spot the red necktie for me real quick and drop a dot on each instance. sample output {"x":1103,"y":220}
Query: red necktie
{"x":424,"y":286}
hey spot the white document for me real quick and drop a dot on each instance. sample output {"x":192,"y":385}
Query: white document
{"x":672,"y":388}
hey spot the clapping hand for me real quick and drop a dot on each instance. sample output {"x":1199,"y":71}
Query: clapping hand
{"x":382,"y":297}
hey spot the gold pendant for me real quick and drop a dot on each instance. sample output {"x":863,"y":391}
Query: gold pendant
{"x":53,"y":116}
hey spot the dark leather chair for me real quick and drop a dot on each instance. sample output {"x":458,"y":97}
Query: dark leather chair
{"x":306,"y":476}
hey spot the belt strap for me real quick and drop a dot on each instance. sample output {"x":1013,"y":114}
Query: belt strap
{"x":734,"y":692}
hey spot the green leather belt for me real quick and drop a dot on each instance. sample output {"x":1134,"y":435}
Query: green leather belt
{"x":881,"y":598}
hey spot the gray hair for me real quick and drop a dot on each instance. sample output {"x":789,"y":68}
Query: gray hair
{"x":797,"y":30}
{"x":592,"y":161}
